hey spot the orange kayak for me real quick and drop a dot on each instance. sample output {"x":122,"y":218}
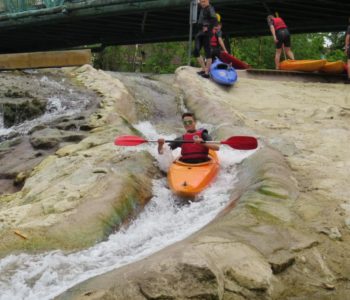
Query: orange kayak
{"x":302,"y":65}
{"x":187,"y":180}
{"x":336,"y":67}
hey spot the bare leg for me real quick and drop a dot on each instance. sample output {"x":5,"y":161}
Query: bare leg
{"x":201,"y":62}
{"x":277,"y":58}
{"x":208,"y":65}
{"x":289,"y":53}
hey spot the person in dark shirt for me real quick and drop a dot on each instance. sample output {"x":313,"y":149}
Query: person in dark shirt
{"x":347,"y":51}
{"x":196,"y":150}
{"x":281,"y":37}
{"x":206,"y":21}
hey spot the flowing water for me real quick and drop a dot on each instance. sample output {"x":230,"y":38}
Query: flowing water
{"x":162,"y":223}
{"x":63,"y":101}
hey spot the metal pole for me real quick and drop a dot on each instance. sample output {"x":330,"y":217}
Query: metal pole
{"x":192,"y":20}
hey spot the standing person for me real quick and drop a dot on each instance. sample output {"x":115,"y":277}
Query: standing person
{"x":218,"y":49}
{"x":198,"y":150}
{"x":347,"y":51}
{"x":217,"y":44}
{"x":206,"y":21}
{"x":281,"y":37}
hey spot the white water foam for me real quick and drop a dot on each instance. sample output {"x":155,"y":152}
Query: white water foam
{"x":57,"y":106}
{"x":162,"y":223}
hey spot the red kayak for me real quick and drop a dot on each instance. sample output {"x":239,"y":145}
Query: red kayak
{"x":230,"y":59}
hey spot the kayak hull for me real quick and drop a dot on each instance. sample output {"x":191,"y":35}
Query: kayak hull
{"x":302,"y":65}
{"x":336,"y":67}
{"x":222,"y":73}
{"x":188,"y":180}
{"x":235,"y":62}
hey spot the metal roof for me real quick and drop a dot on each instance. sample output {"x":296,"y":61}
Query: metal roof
{"x":120,"y":22}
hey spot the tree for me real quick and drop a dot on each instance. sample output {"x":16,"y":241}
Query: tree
{"x":259,"y":52}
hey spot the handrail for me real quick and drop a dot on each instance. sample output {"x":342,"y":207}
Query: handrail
{"x":16,"y":6}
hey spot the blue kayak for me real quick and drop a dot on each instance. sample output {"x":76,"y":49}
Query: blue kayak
{"x":223,"y":73}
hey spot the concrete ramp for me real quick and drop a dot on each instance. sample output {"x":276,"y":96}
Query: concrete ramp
{"x":45,"y":59}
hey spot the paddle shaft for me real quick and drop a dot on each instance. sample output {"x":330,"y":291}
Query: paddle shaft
{"x":236,"y":142}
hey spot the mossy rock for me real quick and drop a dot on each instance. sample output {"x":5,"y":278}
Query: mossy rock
{"x":18,"y":112}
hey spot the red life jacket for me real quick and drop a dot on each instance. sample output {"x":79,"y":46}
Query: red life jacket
{"x":278,"y":23}
{"x":193,"y":150}
{"x":214,"y":41}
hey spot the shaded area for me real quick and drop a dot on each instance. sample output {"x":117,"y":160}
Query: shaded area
{"x":113,"y":22}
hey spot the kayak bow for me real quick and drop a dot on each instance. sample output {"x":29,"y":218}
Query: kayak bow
{"x":187,"y":180}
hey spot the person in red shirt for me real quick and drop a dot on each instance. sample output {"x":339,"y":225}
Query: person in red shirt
{"x":347,"y":51}
{"x":195,"y":152}
{"x":217,"y":44}
{"x":218,"y":49}
{"x":281,"y":37}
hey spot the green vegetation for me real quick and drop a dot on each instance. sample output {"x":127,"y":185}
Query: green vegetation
{"x":257,"y":51}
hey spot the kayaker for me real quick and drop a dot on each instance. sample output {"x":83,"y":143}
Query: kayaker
{"x":196,"y":152}
{"x":217,"y":44}
{"x":281,"y":37}
{"x":221,"y":51}
{"x":347,"y":51}
{"x":206,"y":21}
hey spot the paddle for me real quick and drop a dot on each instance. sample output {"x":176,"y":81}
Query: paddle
{"x":236,"y":142}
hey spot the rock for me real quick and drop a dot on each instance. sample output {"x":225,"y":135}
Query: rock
{"x":328,"y":286}
{"x":332,"y":232}
{"x":280,"y":261}
{"x":240,"y":263}
{"x":36,"y":128}
{"x":100,"y":170}
{"x":285,"y":146}
{"x":246,"y":252}
{"x":81,"y":196}
{"x":10,"y":143}
{"x":20,"y":178}
{"x":16,"y":112}
{"x":50,"y":138}
{"x":347,"y":223}
{"x":45,"y":139}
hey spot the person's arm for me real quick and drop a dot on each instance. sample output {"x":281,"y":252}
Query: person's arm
{"x":173,"y":145}
{"x":160,"y":146}
{"x":207,"y":137}
{"x":222,"y":44}
{"x":214,"y":147}
{"x":347,"y":40}
{"x":273,"y":31}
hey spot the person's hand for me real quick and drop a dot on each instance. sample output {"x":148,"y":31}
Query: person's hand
{"x":160,"y":145}
{"x":197,"y":139}
{"x":276,"y":40}
{"x":225,"y":51}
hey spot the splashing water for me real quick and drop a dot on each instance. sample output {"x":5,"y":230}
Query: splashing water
{"x":57,"y":106}
{"x":161,"y":223}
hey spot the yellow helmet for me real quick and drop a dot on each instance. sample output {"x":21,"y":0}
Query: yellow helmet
{"x":218,"y":17}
